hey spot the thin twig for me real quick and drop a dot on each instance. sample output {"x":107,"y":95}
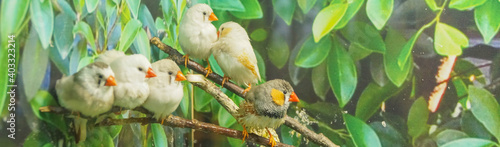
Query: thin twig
{"x":227,"y":103}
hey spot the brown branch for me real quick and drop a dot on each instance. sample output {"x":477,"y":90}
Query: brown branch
{"x":172,"y":121}
{"x":227,"y":103}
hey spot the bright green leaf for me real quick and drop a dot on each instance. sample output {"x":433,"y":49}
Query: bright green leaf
{"x":342,"y":73}
{"x":379,"y":11}
{"x":469,"y":142}
{"x":12,"y":14}
{"x":465,"y":4}
{"x":225,"y":118}
{"x":258,"y":35}
{"x":394,"y":43}
{"x":63,"y":37}
{"x":142,"y":44}
{"x":159,"y":137}
{"x":487,"y":20}
{"x":252,"y":10}
{"x":417,"y":118}
{"x":319,"y":78}
{"x":91,"y":5}
{"x":43,"y":15}
{"x":326,"y":20}
{"x":449,"y":40}
{"x":361,"y":133}
{"x":134,"y":7}
{"x":486,"y":109}
{"x":34,"y":63}
{"x":404,"y":55}
{"x":84,"y":29}
{"x":229,"y":5}
{"x":84,"y":62}
{"x":306,"y":5}
{"x":364,"y":35}
{"x":312,"y":54}
{"x":66,"y":9}
{"x":43,"y":98}
{"x":352,"y":9}
{"x":129,"y":33}
{"x":449,"y":135}
{"x":285,"y":9}
{"x":432,"y":4}
{"x":372,"y":98}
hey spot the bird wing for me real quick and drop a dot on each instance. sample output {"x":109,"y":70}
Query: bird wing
{"x":248,"y":59}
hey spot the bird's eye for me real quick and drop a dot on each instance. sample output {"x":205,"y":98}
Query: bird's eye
{"x":170,"y":73}
{"x":100,"y":76}
{"x":140,"y":69}
{"x":284,"y":92}
{"x":222,"y":29}
{"x":204,"y":13}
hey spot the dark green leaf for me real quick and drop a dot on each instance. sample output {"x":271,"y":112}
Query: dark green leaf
{"x":362,"y":134}
{"x":327,"y":19}
{"x":37,"y":139}
{"x":42,"y":14}
{"x":377,"y":70}
{"x":487,"y":20}
{"x":134,"y":7}
{"x":202,"y":100}
{"x":352,"y":9}
{"x":84,"y":29}
{"x":461,"y":89}
{"x":296,"y":73}
{"x":91,"y":5}
{"x":34,"y":63}
{"x":432,"y":4}
{"x":43,"y":98}
{"x":312,"y":54}
{"x":449,"y":40}
{"x":159,"y":137}
{"x":417,"y":118}
{"x":129,"y":33}
{"x":147,"y":19}
{"x":395,"y":43}
{"x":366,"y":36}
{"x":98,"y":137}
{"x":465,"y":4}
{"x":290,"y":136}
{"x":388,"y":135}
{"x":278,"y":51}
{"x":262,"y":66}
{"x":466,"y":69}
{"x":306,"y":5}
{"x":225,"y":118}
{"x":468,"y":142}
{"x":448,"y":136}
{"x":473,"y":127}
{"x":486,"y":109}
{"x":379,"y":11}
{"x":252,"y":10}
{"x":342,"y":73}
{"x":372,"y":98}
{"x":319,"y":79}
{"x":63,"y":37}
{"x":285,"y":9}
{"x":229,"y":5}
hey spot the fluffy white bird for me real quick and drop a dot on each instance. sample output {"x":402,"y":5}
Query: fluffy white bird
{"x":88,"y":92}
{"x":131,"y":72}
{"x":166,"y":90}
{"x":109,"y":56}
{"x":235,"y":55}
{"x":197,"y":33}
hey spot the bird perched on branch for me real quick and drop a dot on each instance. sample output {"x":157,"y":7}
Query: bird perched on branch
{"x":88,"y":92}
{"x":166,"y":90}
{"x":235,"y":55}
{"x":265,"y":106}
{"x":131,"y":72}
{"x":197,"y":33}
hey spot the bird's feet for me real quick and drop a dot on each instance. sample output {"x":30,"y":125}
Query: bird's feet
{"x":209,"y":68}
{"x":224,"y":79}
{"x":248,"y":89}
{"x":271,"y":138}
{"x":186,"y":59}
{"x":162,"y":120}
{"x":245,"y":133}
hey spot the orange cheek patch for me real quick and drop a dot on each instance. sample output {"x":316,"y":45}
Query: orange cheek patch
{"x":225,"y":31}
{"x":278,"y":97}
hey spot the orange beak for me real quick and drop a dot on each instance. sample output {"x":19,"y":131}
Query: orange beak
{"x":150,"y":73}
{"x":218,"y":32}
{"x":180,"y":76}
{"x":294,"y":98}
{"x":110,"y":81}
{"x":212,"y":17}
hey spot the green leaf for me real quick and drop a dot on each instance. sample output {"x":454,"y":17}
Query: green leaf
{"x":34,"y":63}
{"x":472,"y":126}
{"x":84,"y":29}
{"x":449,"y":40}
{"x":91,"y":5}
{"x":37,"y":139}
{"x":262,"y":66}
{"x":361,"y":133}
{"x":394,"y":43}
{"x":417,"y":118}
{"x":342,"y":73}
{"x":42,"y":14}
{"x":432,"y":4}
{"x":377,"y":70}
{"x":379,"y":11}
{"x":319,"y":78}
{"x":134,"y":7}
{"x":358,"y":52}
{"x":202,"y":100}
{"x":129,"y":33}
{"x":66,"y":9}
{"x":389,"y":136}
{"x":327,"y":19}
{"x":252,"y":10}
{"x":352,"y":9}
{"x":98,"y":137}
{"x":229,"y":5}
{"x":468,"y":142}
{"x":84,"y":61}
{"x":290,"y":136}
{"x":312,"y":54}
{"x":296,"y":73}
{"x":63,"y":37}
{"x":306,"y":5}
{"x":259,"y":34}
{"x":449,"y":135}
{"x":278,"y":51}
{"x":142,"y":44}
{"x":43,"y":98}
{"x":372,"y":98}
{"x":486,"y":109}
{"x":160,"y":139}
{"x":487,"y":20}
{"x":466,"y":69}
{"x":285,"y":9}
{"x":404,"y":55}
{"x":225,"y":118}
{"x":465,"y":4}
{"x":147,"y":20}
{"x":366,"y":36}
{"x":12,"y":14}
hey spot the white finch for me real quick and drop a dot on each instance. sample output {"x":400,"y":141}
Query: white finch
{"x":109,"y":56}
{"x":235,"y":55}
{"x":88,"y":92}
{"x":265,"y":106}
{"x":197,"y":33}
{"x":166,"y":90}
{"x":131,"y":72}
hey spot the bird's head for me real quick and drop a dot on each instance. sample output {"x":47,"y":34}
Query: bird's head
{"x":202,"y":13}
{"x":97,"y":73}
{"x":168,"y":70}
{"x":133,"y":68}
{"x":232,"y":30}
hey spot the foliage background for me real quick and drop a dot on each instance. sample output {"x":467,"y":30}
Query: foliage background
{"x":345,"y":59}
